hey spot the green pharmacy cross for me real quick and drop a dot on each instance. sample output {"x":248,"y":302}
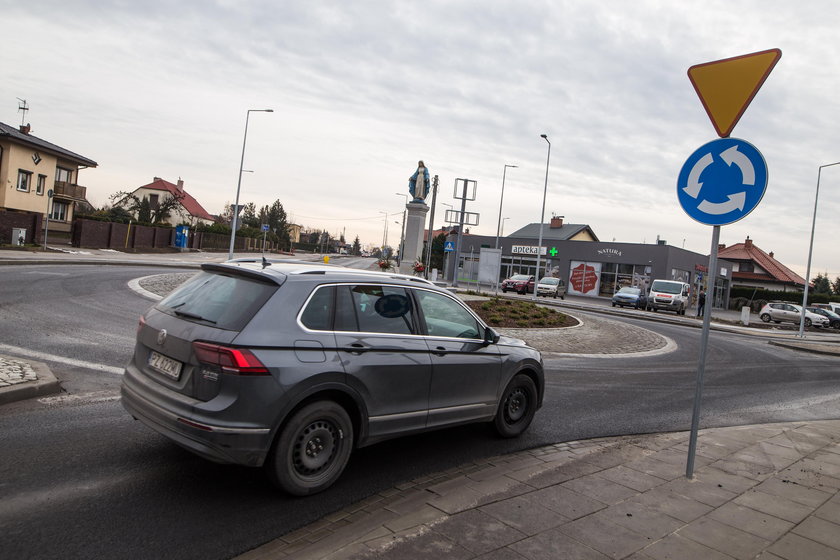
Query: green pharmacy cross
{"x":553,"y":251}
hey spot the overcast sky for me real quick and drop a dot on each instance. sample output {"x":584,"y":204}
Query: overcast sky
{"x":362,"y":90}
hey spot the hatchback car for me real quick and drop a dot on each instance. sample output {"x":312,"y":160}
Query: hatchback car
{"x":833,"y":318}
{"x":291,"y":367}
{"x":551,"y":287}
{"x":520,"y":283}
{"x":779,"y":312}
{"x":629,"y":296}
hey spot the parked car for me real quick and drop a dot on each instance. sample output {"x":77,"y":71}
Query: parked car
{"x":833,"y":318}
{"x":670,"y":295}
{"x":550,"y":286}
{"x":780,"y":311}
{"x":629,"y":296}
{"x":290,"y":367}
{"x":520,"y":283}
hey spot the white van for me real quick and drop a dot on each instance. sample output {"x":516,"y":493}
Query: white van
{"x":671,"y":295}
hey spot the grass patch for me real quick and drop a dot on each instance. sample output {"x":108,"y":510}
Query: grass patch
{"x":498,"y":312}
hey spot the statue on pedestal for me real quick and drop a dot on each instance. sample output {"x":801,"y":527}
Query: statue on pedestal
{"x":418,"y":184}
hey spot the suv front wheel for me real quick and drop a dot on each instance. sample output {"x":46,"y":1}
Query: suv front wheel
{"x":312,"y":449}
{"x":765,"y":317}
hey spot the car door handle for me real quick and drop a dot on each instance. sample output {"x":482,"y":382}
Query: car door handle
{"x":439,"y":351}
{"x":356,"y":349}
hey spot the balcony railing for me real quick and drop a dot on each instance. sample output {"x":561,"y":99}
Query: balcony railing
{"x":69,"y":190}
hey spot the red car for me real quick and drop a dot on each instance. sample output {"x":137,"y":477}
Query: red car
{"x":520,"y":283}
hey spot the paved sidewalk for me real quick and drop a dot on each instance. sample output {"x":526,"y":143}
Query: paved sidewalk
{"x":767,"y":491}
{"x":24,"y":379}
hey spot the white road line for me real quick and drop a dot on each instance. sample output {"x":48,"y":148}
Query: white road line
{"x":27,"y":353}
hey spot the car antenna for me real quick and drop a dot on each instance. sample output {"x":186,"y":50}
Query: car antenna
{"x":265,"y":263}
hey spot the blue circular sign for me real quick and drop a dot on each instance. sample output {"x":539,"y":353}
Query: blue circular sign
{"x":722,"y":181}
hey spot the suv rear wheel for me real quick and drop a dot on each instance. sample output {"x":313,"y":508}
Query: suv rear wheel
{"x":765,"y":317}
{"x":312,"y":449}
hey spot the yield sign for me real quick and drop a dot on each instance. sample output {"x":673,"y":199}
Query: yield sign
{"x":726,"y":87}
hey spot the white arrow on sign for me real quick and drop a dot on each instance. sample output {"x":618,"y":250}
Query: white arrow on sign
{"x":736,"y":202}
{"x":693,"y":185}
{"x":732,"y":155}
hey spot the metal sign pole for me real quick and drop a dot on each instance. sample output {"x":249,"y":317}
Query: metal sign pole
{"x":431,"y":229}
{"x":460,"y":234}
{"x":701,"y":367}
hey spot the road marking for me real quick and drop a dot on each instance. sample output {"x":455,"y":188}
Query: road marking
{"x":27,"y":353}
{"x":97,"y":396}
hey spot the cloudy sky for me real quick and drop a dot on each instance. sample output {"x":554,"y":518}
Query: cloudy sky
{"x":362,"y":90}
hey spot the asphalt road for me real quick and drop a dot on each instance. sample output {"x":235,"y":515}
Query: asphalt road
{"x":80,"y":479}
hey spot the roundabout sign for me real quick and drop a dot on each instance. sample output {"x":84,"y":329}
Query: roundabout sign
{"x":722,"y":181}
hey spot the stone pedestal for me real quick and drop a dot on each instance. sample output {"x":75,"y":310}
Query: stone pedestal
{"x":415,"y":227}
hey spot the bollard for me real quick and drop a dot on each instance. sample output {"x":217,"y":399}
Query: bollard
{"x":745,"y":316}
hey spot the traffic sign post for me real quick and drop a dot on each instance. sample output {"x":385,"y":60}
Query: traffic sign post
{"x":723,"y":180}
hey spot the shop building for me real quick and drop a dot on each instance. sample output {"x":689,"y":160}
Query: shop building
{"x":590,"y":268}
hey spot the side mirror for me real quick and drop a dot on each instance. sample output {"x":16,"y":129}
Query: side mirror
{"x":490,"y":336}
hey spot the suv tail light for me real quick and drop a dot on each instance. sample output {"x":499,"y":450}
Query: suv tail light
{"x":233,"y":361}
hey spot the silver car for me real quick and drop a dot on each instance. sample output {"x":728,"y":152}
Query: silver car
{"x":780,"y":311}
{"x":292,"y":366}
{"x":551,"y":287}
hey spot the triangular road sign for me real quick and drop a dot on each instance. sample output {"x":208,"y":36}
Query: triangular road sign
{"x":726,"y":87}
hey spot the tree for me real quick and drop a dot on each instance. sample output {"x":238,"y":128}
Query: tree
{"x":248,"y":216}
{"x":822,"y":285}
{"x":357,"y":247}
{"x":835,"y":286}
{"x":436,"y":260}
{"x":143,"y":208}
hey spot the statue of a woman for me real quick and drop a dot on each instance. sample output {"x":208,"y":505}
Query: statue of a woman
{"x":418,"y":184}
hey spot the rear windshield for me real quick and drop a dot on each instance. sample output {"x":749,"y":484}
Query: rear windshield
{"x":666,"y":287}
{"x":223,"y":301}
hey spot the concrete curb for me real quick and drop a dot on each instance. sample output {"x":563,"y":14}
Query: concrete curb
{"x":46,"y":384}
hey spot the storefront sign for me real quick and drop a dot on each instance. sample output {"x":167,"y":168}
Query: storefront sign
{"x":609,"y":252}
{"x":526,"y":250}
{"x":584,"y":278}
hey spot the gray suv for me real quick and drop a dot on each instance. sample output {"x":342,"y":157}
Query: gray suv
{"x":292,"y":366}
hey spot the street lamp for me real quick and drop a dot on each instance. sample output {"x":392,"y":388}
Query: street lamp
{"x":384,"y":234}
{"x":502,"y":227}
{"x":810,"y":251}
{"x":402,"y":230}
{"x":542,"y":216}
{"x":501,"y":200}
{"x":235,"y":221}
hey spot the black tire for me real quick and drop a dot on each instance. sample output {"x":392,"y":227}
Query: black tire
{"x":765,"y":317}
{"x":613,"y":304}
{"x":517,"y":407}
{"x":653,"y":309}
{"x":504,"y":291}
{"x":807,"y":322}
{"x":312,"y":449}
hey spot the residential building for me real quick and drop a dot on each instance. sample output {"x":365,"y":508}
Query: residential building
{"x":39,"y":179}
{"x":188,"y":210}
{"x":754,"y":268}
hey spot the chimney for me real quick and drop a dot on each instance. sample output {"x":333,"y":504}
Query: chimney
{"x":771,"y":254}
{"x":721,"y":246}
{"x":748,"y":243}
{"x":180,"y":184}
{"x":156,"y":179}
{"x":556,"y":222}
{"x":25,"y":128}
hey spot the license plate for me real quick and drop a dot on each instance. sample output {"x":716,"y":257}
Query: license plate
{"x":166,"y":366}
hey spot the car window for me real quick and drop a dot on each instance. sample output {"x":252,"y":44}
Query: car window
{"x":444,"y":316}
{"x":372,"y":308}
{"x":221,"y":300}
{"x":318,"y":312}
{"x":550,"y":281}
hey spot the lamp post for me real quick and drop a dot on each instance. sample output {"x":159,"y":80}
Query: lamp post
{"x":402,"y":228}
{"x":235,"y":221}
{"x":810,"y":251}
{"x":384,"y":234}
{"x":502,"y":227}
{"x":501,"y":201}
{"x":542,"y":216}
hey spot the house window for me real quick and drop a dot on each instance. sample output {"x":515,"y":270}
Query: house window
{"x":63,"y":175}
{"x":746,"y":267}
{"x":154,"y":200}
{"x":39,"y":187}
{"x":59,"y":211}
{"x":24,"y":180}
